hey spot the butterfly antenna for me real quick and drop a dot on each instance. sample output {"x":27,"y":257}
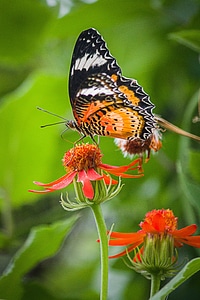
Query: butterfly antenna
{"x":164,"y":123}
{"x":50,"y":113}
{"x":56,"y":123}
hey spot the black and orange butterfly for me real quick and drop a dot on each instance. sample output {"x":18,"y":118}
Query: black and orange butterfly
{"x":104,"y":102}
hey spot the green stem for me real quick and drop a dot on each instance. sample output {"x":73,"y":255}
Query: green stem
{"x":155,"y":284}
{"x":102,"y":232}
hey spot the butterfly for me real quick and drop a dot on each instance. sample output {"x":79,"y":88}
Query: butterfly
{"x":104,"y":102}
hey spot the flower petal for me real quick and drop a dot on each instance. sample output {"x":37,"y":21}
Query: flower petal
{"x":124,"y":239}
{"x":138,"y":255}
{"x":119,"y":171}
{"x":188,"y":230}
{"x":158,"y":222}
{"x":122,"y":253}
{"x":93,"y":175}
{"x":193,"y":241}
{"x":125,"y":242}
{"x":183,"y":236}
{"x":133,"y":235}
{"x":57,"y":184}
{"x":109,"y":180}
{"x":41,"y":192}
{"x":87,"y":186}
{"x":148,"y":228}
{"x":123,"y":175}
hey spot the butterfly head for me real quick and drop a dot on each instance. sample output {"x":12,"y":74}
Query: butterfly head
{"x":72,"y":125}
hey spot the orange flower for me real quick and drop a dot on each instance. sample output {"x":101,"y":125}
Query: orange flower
{"x":83,"y":164}
{"x":160,"y":223}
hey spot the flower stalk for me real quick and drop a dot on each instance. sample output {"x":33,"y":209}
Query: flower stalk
{"x":155,"y":284}
{"x":102,"y":233}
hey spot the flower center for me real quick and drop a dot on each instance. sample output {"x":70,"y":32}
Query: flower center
{"x":82,"y":157}
{"x":170,"y":220}
{"x":161,"y":220}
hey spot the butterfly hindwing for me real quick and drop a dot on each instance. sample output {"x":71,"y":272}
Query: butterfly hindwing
{"x":138,"y":100}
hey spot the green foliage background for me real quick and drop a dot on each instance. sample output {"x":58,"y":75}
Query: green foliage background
{"x":156,"y":42}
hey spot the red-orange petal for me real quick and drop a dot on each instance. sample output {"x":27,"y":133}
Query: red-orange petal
{"x":120,"y":169}
{"x":131,"y":235}
{"x":158,"y":223}
{"x":87,"y":186}
{"x":123,"y":175}
{"x":57,"y":184}
{"x":68,"y":176}
{"x":124,"y":239}
{"x":124,"y":252}
{"x":137,"y":257}
{"x":193,"y":241}
{"x":93,"y":175}
{"x":147,"y":227}
{"x":188,"y":230}
{"x":41,"y":192}
{"x":109,"y":180}
{"x":125,"y":242}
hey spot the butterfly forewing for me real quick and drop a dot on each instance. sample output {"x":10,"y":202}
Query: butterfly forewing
{"x":90,"y":57}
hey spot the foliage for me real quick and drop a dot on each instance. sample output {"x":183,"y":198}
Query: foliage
{"x":191,"y":268}
{"x":41,"y":243}
{"x":157,"y":42}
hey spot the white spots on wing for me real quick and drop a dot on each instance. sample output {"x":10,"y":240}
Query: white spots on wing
{"x":88,"y":61}
{"x":92,"y":91}
{"x":87,"y":41}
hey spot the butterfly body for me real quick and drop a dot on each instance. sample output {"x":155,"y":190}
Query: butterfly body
{"x":104,"y":102}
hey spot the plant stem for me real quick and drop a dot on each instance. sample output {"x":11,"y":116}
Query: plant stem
{"x":155,"y":284}
{"x":101,"y":228}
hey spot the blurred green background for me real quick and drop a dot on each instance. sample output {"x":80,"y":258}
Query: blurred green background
{"x":156,"y":42}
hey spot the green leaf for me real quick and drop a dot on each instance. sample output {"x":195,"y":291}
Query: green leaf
{"x":190,"y":269}
{"x":194,"y":165}
{"x":23,"y":26}
{"x":191,"y":190}
{"x":43,"y":242}
{"x":21,"y":30}
{"x":188,"y":163}
{"x":189,"y":38}
{"x":30,"y":149}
